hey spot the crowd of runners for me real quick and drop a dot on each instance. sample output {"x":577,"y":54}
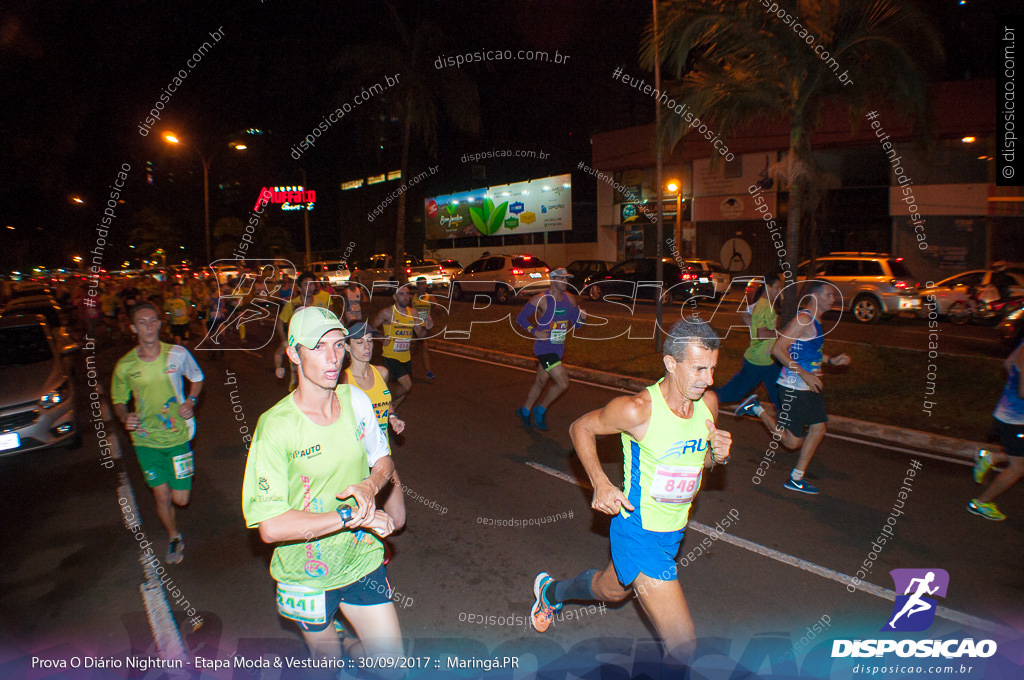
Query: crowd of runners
{"x":321,"y":484}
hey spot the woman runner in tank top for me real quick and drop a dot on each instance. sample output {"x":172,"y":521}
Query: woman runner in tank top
{"x":373,"y":380}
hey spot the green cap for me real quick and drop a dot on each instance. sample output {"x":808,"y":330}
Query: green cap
{"x":309,"y":324}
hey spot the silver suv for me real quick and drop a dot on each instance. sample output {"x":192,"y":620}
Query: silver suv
{"x":873,"y":285}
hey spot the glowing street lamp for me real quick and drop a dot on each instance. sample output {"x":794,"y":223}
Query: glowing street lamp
{"x":171,"y":138}
{"x":676,"y":187}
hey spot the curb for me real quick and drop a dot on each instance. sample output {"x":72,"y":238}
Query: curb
{"x":925,"y":441}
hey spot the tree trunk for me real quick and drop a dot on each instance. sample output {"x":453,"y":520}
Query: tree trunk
{"x":796,"y":172}
{"x":399,"y":254}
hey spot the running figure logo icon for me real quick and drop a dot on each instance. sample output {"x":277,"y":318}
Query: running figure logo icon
{"x":914,"y":610}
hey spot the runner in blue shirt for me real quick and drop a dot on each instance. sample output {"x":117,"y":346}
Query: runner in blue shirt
{"x":548,"y":317}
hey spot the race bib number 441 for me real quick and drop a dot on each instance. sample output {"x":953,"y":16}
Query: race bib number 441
{"x":675,"y":484}
{"x":300,"y":603}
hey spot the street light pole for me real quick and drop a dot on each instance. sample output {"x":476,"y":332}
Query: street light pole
{"x":206,"y":202}
{"x":173,"y":139}
{"x":305,"y":215}
{"x":659,"y":269}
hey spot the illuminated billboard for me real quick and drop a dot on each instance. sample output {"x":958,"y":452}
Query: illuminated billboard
{"x":536,"y":205}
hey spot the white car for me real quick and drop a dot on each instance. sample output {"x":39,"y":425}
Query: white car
{"x":335,"y":272}
{"x":502,"y":276}
{"x":957,"y":287}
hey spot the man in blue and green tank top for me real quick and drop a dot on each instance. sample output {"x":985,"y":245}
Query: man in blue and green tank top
{"x":668,"y":439}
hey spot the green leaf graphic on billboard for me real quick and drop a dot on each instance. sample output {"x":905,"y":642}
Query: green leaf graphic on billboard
{"x":487,"y":218}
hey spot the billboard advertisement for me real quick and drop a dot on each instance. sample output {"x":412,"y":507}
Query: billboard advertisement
{"x":543,"y":204}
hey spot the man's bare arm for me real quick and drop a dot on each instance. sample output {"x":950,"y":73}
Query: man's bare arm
{"x":623,"y":414}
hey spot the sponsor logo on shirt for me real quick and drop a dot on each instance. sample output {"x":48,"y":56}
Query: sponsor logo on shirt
{"x":311,"y":452}
{"x":681,"y":448}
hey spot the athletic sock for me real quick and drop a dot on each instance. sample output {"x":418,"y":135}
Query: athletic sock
{"x":539,"y":410}
{"x":796,"y":475}
{"x":577,"y":588}
{"x":757,"y":409}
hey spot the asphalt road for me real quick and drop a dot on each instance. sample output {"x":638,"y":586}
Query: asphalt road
{"x":905,"y":331}
{"x":71,"y":578}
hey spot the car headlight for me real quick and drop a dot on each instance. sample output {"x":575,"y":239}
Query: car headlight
{"x":1015,"y":314}
{"x":57,"y":396}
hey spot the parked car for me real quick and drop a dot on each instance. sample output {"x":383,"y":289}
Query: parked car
{"x":47,"y":308}
{"x":335,"y":272}
{"x":37,"y":404}
{"x":502,"y":276}
{"x":872,"y":285}
{"x":25,"y":289}
{"x":581,"y":271}
{"x":1011,"y":328}
{"x":638,"y":278}
{"x":714,"y":271}
{"x":429,"y":270}
{"x":227,"y":273}
{"x":449,"y":268}
{"x":957,"y":288}
{"x":378,"y":268}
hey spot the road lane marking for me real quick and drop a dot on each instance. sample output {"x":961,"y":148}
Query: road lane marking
{"x":816,"y":569}
{"x":166,"y":634}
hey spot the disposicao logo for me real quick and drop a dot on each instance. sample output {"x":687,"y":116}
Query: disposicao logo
{"x":914,"y":611}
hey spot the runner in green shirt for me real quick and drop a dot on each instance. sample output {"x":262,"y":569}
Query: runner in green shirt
{"x":759,"y":366}
{"x":316,"y":455}
{"x":161,"y":422}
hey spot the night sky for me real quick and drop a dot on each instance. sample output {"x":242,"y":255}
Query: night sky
{"x":78,"y":78}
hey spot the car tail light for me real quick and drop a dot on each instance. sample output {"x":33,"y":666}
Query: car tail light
{"x":516,"y":271}
{"x":547,"y":269}
{"x":527,"y":257}
{"x":899,"y":285}
{"x":408,"y":270}
{"x":440,"y":269}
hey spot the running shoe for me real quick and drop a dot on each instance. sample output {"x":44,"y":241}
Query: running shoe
{"x":986,"y":510}
{"x":524,"y":415}
{"x":279,"y":372}
{"x":748,"y":407}
{"x":430,"y":375}
{"x":539,"y":415}
{"x":542,"y":613}
{"x":176,"y":550}
{"x":982,"y":464}
{"x":802,"y":486}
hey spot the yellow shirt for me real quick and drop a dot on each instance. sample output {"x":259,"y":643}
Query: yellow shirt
{"x":399,"y":334}
{"x":379,"y":394}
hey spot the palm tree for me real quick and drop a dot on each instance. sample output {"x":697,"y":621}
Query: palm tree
{"x":737,"y":64}
{"x":422,"y":94}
